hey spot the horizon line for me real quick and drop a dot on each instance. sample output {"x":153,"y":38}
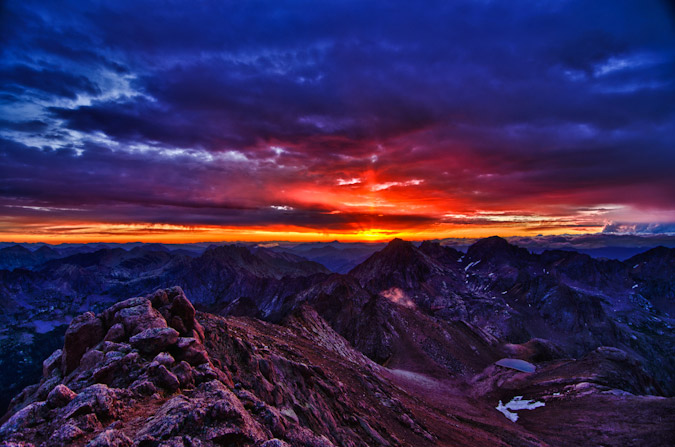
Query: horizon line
{"x":331,"y":240}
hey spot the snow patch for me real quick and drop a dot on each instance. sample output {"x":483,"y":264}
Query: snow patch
{"x":517,"y":403}
{"x":471,"y":265}
{"x":517,"y":364}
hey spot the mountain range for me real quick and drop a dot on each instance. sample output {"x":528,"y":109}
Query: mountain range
{"x":407,"y":347}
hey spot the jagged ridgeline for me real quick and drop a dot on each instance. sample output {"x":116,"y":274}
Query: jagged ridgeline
{"x":410,"y":347}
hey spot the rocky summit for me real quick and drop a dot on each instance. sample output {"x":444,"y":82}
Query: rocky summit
{"x":151,"y":371}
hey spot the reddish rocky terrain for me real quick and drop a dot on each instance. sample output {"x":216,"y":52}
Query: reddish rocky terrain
{"x":150,"y":371}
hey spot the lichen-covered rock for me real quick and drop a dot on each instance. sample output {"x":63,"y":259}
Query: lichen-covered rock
{"x":26,"y":417}
{"x":65,"y":434}
{"x":143,"y":387}
{"x":154,"y":340}
{"x":164,"y":378}
{"x":84,"y":332}
{"x":97,"y":399}
{"x":60,"y":396}
{"x":139,"y":318}
{"x":164,"y":358}
{"x":182,"y":308}
{"x":274,"y":443}
{"x":51,"y":363}
{"x":171,"y":418}
{"x":212,"y":411}
{"x":46,"y":386}
{"x":117,"y":368}
{"x":91,"y":359}
{"x":110,"y":438}
{"x":109,"y":314}
{"x":192,"y":351}
{"x":183,"y":372}
{"x":116,"y":333}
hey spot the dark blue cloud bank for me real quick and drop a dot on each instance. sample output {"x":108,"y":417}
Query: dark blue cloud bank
{"x":192,"y":112}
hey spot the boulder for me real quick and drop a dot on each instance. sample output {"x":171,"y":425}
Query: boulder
{"x":182,"y":308}
{"x":117,"y":368}
{"x":52,"y":363}
{"x":109,"y":314}
{"x":164,"y":378}
{"x":60,"y":396}
{"x":143,"y":387}
{"x":139,"y":318}
{"x":65,"y":434}
{"x":28,"y":416}
{"x":115,"y":333}
{"x":46,"y":386}
{"x":183,"y":372}
{"x":91,"y":359}
{"x":192,"y":351}
{"x":212,"y":412}
{"x":110,"y":438}
{"x":169,"y":419}
{"x":160,"y":298}
{"x":155,"y":340}
{"x":164,"y":358}
{"x":97,"y":399}
{"x":84,"y":332}
{"x":274,"y":443}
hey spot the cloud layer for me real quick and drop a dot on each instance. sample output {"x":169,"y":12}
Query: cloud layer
{"x":336,"y":117}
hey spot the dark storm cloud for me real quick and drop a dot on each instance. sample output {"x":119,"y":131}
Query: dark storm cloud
{"x":19,"y":78}
{"x":490,"y":103}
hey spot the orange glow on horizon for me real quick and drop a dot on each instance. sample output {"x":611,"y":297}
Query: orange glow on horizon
{"x":162,"y":233}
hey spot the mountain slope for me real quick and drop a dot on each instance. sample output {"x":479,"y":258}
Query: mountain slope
{"x":578,"y":302}
{"x":247,"y":383}
{"x":152,"y":371}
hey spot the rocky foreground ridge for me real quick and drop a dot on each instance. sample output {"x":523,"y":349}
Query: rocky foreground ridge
{"x":150,"y":371}
{"x":146,"y":372}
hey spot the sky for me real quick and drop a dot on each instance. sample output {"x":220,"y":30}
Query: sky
{"x":352,"y":120}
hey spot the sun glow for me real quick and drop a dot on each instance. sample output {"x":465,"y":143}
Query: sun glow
{"x":83,"y":232}
{"x":375,"y":235}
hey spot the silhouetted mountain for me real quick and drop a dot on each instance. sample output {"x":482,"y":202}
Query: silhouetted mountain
{"x":399,"y":264}
{"x":17,"y":256}
{"x":336,"y":256}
